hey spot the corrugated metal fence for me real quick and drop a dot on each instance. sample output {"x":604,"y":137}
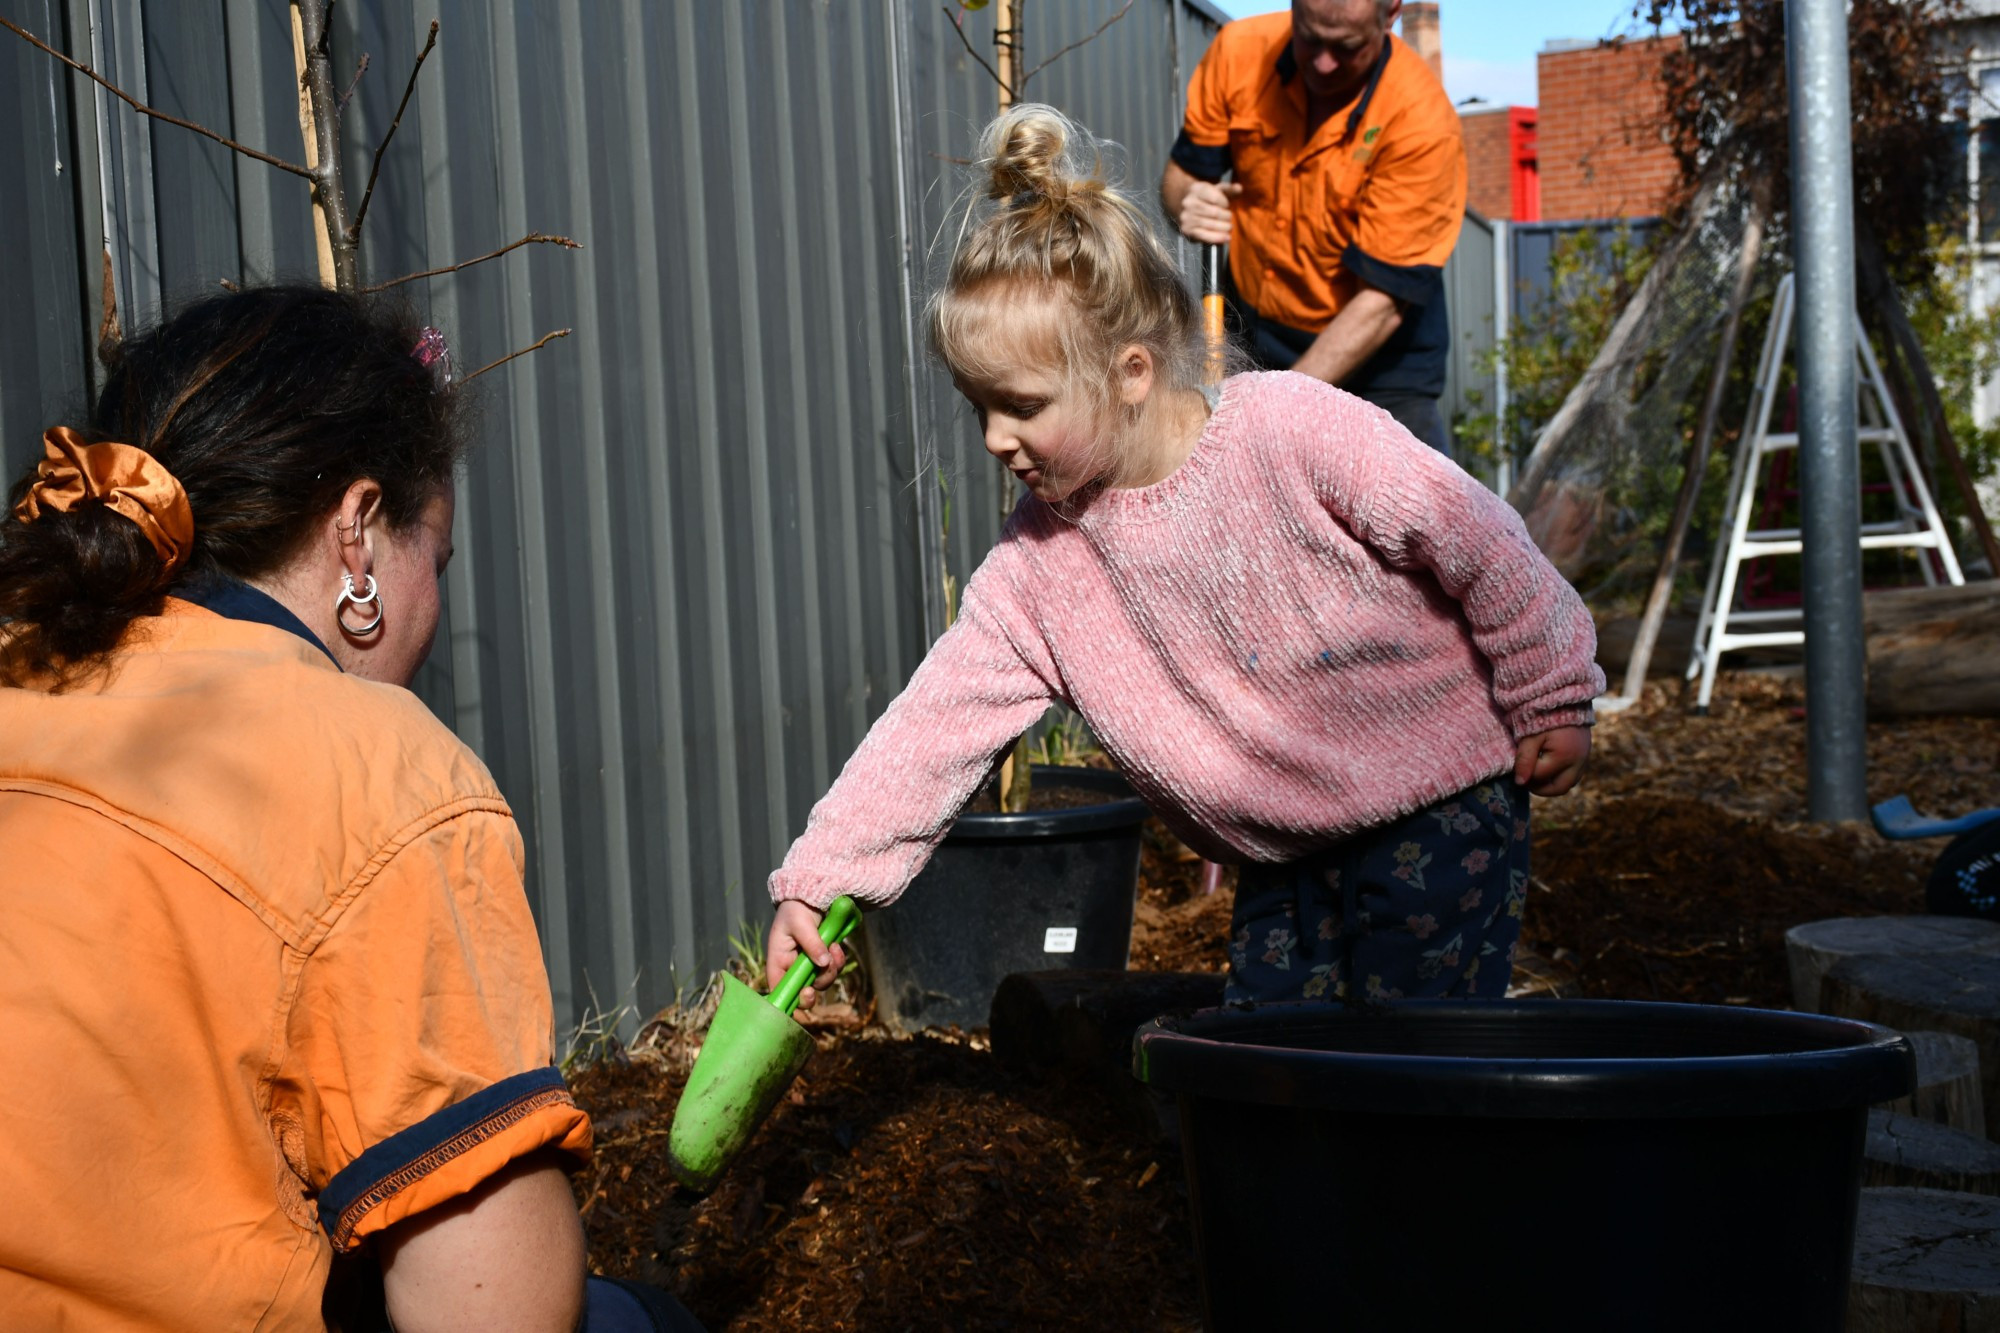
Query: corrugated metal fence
{"x":700,"y":547}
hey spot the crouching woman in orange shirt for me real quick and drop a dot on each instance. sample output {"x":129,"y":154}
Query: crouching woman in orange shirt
{"x":270,"y":992}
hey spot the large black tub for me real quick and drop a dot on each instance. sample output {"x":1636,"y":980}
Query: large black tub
{"x":1533,"y":1164}
{"x":1010,"y":893}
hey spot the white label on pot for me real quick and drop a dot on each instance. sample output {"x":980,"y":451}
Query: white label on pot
{"x":1059,"y":939}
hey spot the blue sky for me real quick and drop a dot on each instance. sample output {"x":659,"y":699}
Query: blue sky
{"x":1490,"y":45}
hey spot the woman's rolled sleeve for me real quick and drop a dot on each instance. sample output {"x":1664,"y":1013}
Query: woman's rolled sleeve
{"x":421,"y":1055}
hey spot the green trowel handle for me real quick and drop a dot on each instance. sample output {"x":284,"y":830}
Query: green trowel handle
{"x":842,"y":916}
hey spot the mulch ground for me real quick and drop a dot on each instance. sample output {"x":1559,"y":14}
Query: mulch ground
{"x":916,"y":1184}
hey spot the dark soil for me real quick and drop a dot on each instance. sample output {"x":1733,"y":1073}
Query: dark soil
{"x":903,"y":1184}
{"x":1678,"y":899}
{"x":1674,"y":871}
{"x":914,"y":1184}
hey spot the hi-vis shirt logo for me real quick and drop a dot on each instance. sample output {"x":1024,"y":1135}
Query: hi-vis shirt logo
{"x":1367,"y":149}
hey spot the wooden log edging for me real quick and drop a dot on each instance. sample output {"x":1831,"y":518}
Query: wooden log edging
{"x":1947,"y":1091}
{"x":1925,"y":1259}
{"x":1083,"y":1020}
{"x":1903,"y":1150}
{"x":1080,"y":1023}
{"x":1958,"y":993}
{"x":1813,"y":948}
{"x":1931,"y":650}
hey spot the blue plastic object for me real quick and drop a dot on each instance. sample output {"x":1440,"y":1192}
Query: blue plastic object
{"x":1897,"y":818}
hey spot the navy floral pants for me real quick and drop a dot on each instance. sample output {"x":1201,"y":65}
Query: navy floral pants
{"x":1427,"y":905}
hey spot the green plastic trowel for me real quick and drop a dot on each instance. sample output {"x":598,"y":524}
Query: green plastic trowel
{"x":753,"y":1051}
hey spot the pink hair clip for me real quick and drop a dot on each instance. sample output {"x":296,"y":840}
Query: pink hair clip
{"x":433,"y":354}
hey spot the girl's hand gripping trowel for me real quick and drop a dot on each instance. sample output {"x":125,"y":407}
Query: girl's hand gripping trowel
{"x":753,"y":1051}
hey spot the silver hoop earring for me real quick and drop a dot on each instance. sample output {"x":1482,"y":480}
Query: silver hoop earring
{"x":367,"y":597}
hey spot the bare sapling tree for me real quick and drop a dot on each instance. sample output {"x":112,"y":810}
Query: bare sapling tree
{"x":1016,"y":770}
{"x":336,"y":231}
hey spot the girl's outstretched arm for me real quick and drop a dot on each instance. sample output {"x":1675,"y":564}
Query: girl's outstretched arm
{"x":984,"y":682}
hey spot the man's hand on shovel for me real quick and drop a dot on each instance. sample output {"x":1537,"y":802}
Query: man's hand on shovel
{"x":796,"y":931}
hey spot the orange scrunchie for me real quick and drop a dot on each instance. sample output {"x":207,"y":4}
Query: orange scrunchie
{"x":130,"y":481}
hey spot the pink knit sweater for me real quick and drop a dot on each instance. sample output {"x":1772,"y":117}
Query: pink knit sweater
{"x":1315,"y":625}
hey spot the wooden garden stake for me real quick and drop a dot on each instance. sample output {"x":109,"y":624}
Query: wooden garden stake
{"x":1879,"y":292}
{"x":1016,"y":773}
{"x":1696,"y":463}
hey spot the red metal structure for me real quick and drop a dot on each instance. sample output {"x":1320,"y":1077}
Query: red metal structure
{"x":1524,"y":166}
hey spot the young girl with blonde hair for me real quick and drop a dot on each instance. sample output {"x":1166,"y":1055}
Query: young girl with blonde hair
{"x":1315,"y":646}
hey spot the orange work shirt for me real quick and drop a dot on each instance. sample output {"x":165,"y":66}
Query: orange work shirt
{"x":1375,"y":195}
{"x":268,"y":981}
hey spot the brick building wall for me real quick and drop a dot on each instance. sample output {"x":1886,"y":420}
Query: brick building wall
{"x":1488,"y":160}
{"x":1602,"y":146}
{"x":1420,"y":31}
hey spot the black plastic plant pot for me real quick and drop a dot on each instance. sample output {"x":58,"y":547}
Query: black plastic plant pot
{"x":1009,"y":893}
{"x":1523,"y":1164}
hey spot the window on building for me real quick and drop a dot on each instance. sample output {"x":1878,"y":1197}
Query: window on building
{"x":1989,"y":182}
{"x":1978,"y":135}
{"x":1989,"y":91}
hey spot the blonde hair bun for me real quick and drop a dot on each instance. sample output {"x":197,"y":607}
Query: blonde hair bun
{"x":1034,"y":150}
{"x":1057,"y":264}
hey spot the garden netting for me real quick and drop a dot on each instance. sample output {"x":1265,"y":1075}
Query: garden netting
{"x":1599,"y":485}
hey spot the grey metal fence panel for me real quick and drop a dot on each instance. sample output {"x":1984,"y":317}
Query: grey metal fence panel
{"x":697,"y":551}
{"x":1534,"y":245}
{"x":1469,"y":294}
{"x":44,"y":340}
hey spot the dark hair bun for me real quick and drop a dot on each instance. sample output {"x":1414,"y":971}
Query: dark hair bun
{"x":266,"y":404}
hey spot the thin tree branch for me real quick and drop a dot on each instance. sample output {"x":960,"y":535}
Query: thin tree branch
{"x":354,"y":230}
{"x":145,"y":110}
{"x":545,"y":338}
{"x":532,"y":238}
{"x":348,"y":96}
{"x":1083,"y":41}
{"x":969,"y":50}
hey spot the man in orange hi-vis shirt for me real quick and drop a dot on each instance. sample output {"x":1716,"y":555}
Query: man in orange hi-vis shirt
{"x":1346,"y":186}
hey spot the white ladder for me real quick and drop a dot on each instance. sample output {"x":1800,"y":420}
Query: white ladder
{"x":1916,"y":526}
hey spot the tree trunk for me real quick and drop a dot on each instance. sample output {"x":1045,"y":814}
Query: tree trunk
{"x":1925,"y":1260}
{"x":1815,"y":947}
{"x":319,"y":125}
{"x":1931,"y":650}
{"x":1957,"y":993}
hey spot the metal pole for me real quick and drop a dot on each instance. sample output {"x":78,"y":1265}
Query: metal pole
{"x":1829,"y":459}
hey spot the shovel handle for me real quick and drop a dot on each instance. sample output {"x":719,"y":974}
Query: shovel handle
{"x":842,"y":916}
{"x":1211,"y":308}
